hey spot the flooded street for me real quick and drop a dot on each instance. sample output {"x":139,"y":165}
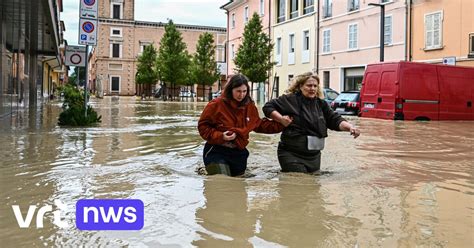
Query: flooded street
{"x":400,"y":184}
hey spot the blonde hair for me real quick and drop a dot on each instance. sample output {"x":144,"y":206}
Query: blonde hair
{"x":300,"y":80}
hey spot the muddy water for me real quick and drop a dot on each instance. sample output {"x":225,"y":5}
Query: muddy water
{"x":401,"y":184}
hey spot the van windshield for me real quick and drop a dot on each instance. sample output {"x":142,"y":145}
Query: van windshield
{"x":348,"y":97}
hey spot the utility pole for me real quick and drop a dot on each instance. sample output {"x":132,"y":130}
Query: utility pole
{"x":382,"y":28}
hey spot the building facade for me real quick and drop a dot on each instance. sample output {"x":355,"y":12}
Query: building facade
{"x":30,"y":40}
{"x":121,"y":40}
{"x":350,"y":39}
{"x":442,"y":31}
{"x":294,"y":36}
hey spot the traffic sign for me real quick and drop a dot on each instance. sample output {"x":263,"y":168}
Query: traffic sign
{"x":88,"y":9}
{"x":76,"y":56}
{"x":87,"y":31}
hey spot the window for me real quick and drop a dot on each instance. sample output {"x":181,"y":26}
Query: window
{"x":292,"y":43}
{"x":232,"y":51}
{"x":278,"y":46}
{"x":116,"y":51}
{"x":278,"y":51}
{"x":308,"y":6}
{"x":388,"y":30}
{"x":305,"y":40}
{"x":327,"y":8}
{"x":327,"y":41}
{"x":471,"y":46}
{"x":116,"y":11}
{"x":291,"y":49}
{"x":281,"y":10}
{"x":114,"y":83}
{"x":326,"y":78}
{"x":143,"y":44}
{"x":220,"y":53}
{"x":290,"y":78}
{"x":293,"y":8}
{"x":305,"y":55}
{"x":353,"y":36}
{"x":116,"y":32}
{"x":246,"y":14}
{"x":262,"y":7}
{"x":433,"y":30}
{"x":352,"y":5}
{"x":233,"y":20}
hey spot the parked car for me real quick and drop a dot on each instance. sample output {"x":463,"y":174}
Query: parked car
{"x":347,"y":103}
{"x":216,"y":94}
{"x":330,"y":95}
{"x":417,"y":91}
{"x":187,"y":93}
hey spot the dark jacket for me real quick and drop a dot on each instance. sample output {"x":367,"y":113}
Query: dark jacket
{"x":222,"y":115}
{"x":310,"y":116}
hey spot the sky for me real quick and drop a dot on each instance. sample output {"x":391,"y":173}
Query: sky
{"x":195,"y":12}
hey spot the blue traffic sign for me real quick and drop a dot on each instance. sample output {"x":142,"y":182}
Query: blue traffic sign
{"x":88,"y":27}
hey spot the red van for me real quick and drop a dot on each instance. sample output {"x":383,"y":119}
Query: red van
{"x":417,"y":91}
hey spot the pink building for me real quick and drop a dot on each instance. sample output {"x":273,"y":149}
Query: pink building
{"x":350,"y":39}
{"x":239,"y":13}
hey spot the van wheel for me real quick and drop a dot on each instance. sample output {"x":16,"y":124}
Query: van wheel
{"x":422,"y":118}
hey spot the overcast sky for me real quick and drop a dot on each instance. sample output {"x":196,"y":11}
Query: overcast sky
{"x":196,"y":12}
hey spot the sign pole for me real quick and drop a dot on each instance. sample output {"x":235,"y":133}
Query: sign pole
{"x":87,"y":80}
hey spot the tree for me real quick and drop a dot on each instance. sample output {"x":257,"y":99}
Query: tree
{"x":253,"y":56}
{"x":146,"y":73}
{"x":173,"y":60}
{"x":82,"y":76}
{"x":204,"y":67}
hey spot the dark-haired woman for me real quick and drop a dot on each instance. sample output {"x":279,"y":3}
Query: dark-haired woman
{"x":225,"y":124}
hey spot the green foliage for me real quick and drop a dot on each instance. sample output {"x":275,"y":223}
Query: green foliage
{"x":204,"y":68}
{"x":173,"y":61}
{"x":253,"y":56}
{"x":73,"y":77}
{"x":73,"y":109}
{"x":146,"y":73}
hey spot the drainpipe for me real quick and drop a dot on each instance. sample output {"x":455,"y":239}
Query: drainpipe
{"x":410,"y":24}
{"x":317,"y":40}
{"x":270,"y":40}
{"x":227,"y":47}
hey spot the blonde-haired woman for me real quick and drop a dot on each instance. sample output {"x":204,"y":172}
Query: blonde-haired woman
{"x":306,"y":117}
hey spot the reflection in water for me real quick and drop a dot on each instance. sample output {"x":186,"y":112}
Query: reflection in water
{"x":402,"y":184}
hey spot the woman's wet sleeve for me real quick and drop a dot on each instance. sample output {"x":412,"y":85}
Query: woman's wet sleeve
{"x":333,"y":119}
{"x":206,"y":125}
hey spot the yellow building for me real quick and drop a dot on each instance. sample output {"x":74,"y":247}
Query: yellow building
{"x":442,"y":31}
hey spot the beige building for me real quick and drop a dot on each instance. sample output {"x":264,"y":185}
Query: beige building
{"x":294,"y":37}
{"x":121,"y":40}
{"x":442,"y":30}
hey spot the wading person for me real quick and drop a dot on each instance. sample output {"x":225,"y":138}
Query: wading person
{"x":225,"y":124}
{"x":306,"y":117}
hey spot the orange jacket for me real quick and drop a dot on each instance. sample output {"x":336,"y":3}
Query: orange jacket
{"x":222,"y":115}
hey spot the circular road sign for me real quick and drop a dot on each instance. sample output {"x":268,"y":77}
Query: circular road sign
{"x":76,"y":59}
{"x":89,"y":2}
{"x":88,"y":27}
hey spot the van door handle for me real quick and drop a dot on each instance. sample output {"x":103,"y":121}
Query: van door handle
{"x":379,"y":99}
{"x":469,"y":104}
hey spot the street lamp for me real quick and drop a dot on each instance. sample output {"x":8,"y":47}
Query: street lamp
{"x":382,"y":28}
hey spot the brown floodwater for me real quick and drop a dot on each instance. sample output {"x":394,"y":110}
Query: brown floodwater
{"x":400,"y":184}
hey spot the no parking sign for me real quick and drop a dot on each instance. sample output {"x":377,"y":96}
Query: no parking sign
{"x":87,"y":32}
{"x":76,"y":56}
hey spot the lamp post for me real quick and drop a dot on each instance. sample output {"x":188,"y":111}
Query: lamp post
{"x":382,"y":28}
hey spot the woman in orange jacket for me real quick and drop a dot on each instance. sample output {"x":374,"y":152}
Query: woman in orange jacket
{"x":225,"y":124}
